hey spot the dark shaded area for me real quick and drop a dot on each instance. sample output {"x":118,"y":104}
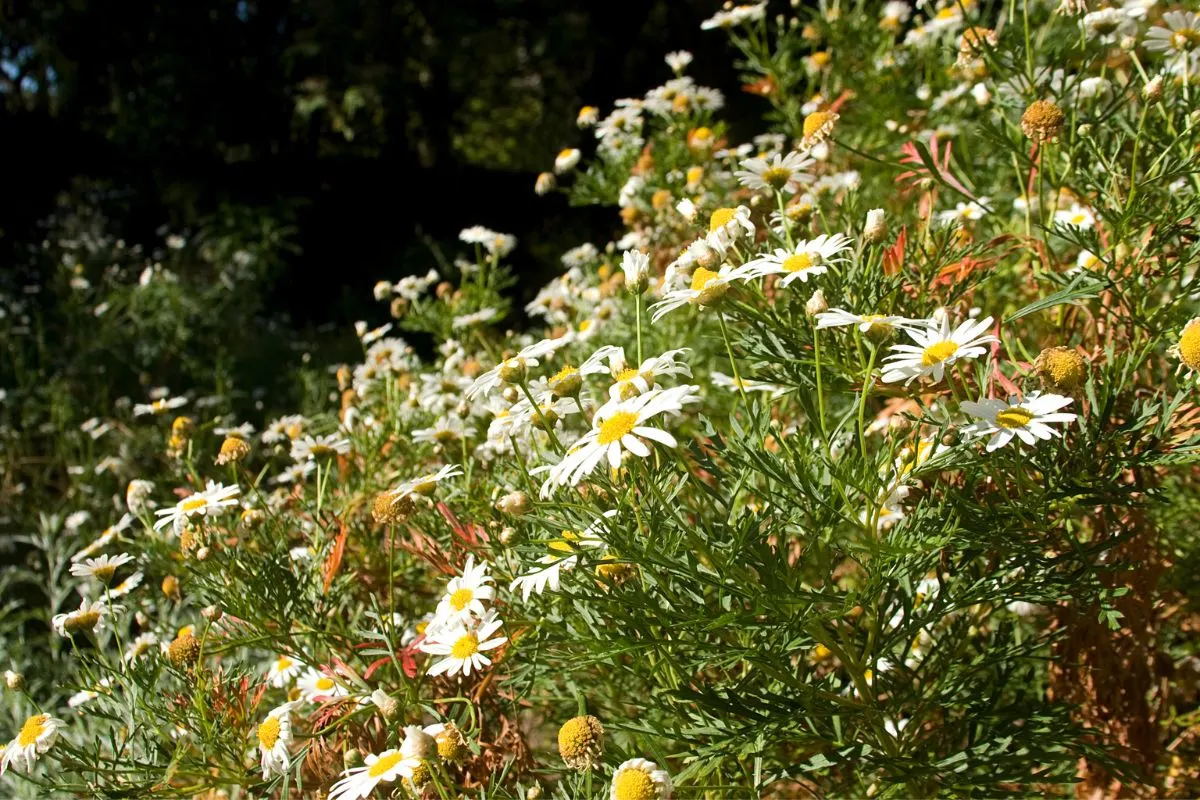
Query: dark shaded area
{"x":375,"y":128}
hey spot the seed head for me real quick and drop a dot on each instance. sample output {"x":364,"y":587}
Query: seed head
{"x":1042,"y":121}
{"x":1061,"y":369}
{"x":581,"y":742}
{"x":184,"y":652}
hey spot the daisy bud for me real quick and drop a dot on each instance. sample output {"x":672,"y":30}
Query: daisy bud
{"x":687,"y":209}
{"x":513,"y":370}
{"x":1128,"y":43}
{"x":389,"y":707}
{"x":514,"y":503}
{"x":875,"y":228}
{"x":15,"y":681}
{"x":581,"y":742}
{"x":950,"y":438}
{"x":212,"y":613}
{"x":816,"y":304}
{"x":1153,"y":89}
{"x":170,"y":587}
{"x":566,"y":160}
{"x":1083,"y":130}
{"x":381,"y":290}
{"x":1042,"y":121}
{"x":1061,"y":368}
{"x":511,"y":394}
{"x":398,"y":307}
{"x":136,"y":495}
{"x":352,"y":758}
{"x":508,"y":536}
{"x":636,"y":266}
{"x":534,"y":793}
{"x":544,"y":184}
{"x":418,"y":744}
{"x":588,"y":115}
{"x":202,"y":554}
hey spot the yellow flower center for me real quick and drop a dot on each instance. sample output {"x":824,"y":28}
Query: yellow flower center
{"x":634,"y":784}
{"x":104,"y":573}
{"x":694,"y":174}
{"x":1015,"y":417}
{"x":565,"y":153}
{"x":324,"y":684}
{"x":268,"y":733}
{"x":701,"y":278}
{"x":616,"y":426}
{"x":777,"y":177}
{"x":82,"y":621}
{"x":1185,"y":39}
{"x":461,"y":598}
{"x":384,"y":763}
{"x":564,"y":373}
{"x":563,"y":545}
{"x":282,"y":663}
{"x":798,"y":262}
{"x":1189,"y":345}
{"x":720,"y":218}
{"x":33,"y":728}
{"x":627,"y":375}
{"x":948,"y":12}
{"x":193,"y":504}
{"x":465,"y":647}
{"x":815,"y":121}
{"x":937,"y":353}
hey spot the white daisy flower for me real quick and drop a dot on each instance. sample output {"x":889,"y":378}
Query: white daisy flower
{"x":446,"y":430}
{"x":514,"y":369}
{"x":466,"y":594}
{"x":90,"y":616}
{"x":706,"y":288}
{"x":139,"y":647}
{"x":729,"y":225}
{"x":937,"y":346}
{"x":866,"y":323}
{"x":738,"y":15}
{"x":778,"y":172}
{"x":1028,"y":420}
{"x":274,"y":735}
{"x":563,"y":557}
{"x":678,"y":61}
{"x":566,"y":160}
{"x":160,"y":406}
{"x":102,"y":568}
{"x":36,"y":736}
{"x":377,"y":768}
{"x":1182,"y":34}
{"x":316,"y":686}
{"x":215,"y":497}
{"x":462,"y":647}
{"x":1109,"y":25}
{"x":963,"y":213}
{"x":318,"y":448}
{"x":1076,"y":216}
{"x":283,"y":671}
{"x":805,"y":260}
{"x":631,"y":381}
{"x":476,"y":234}
{"x":618,"y":427}
{"x":639,"y":779}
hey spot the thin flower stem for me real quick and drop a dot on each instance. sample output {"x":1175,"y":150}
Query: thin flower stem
{"x":737,"y":377}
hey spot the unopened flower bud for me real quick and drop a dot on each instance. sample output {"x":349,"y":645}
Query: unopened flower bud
{"x":15,"y":681}
{"x":352,"y":758}
{"x":545,"y":183}
{"x":875,"y":228}
{"x":514,"y":503}
{"x":389,"y":707}
{"x":1153,"y":89}
{"x":212,"y":613}
{"x":816,"y":304}
{"x":636,"y":266}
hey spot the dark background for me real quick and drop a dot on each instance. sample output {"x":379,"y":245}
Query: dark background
{"x":375,"y":128}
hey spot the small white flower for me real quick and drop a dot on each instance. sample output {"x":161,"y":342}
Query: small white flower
{"x":937,"y":347}
{"x":805,"y":260}
{"x":678,"y":61}
{"x":782,"y":173}
{"x":36,"y":736}
{"x":316,"y":686}
{"x":385,"y":767}
{"x":566,"y":160}
{"x":462,"y":647}
{"x":1028,"y":420}
{"x":466,"y":594}
{"x":274,"y":735}
{"x":641,"y":779}
{"x":214,"y":498}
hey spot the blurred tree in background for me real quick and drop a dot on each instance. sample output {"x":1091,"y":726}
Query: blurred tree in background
{"x":319,"y":114}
